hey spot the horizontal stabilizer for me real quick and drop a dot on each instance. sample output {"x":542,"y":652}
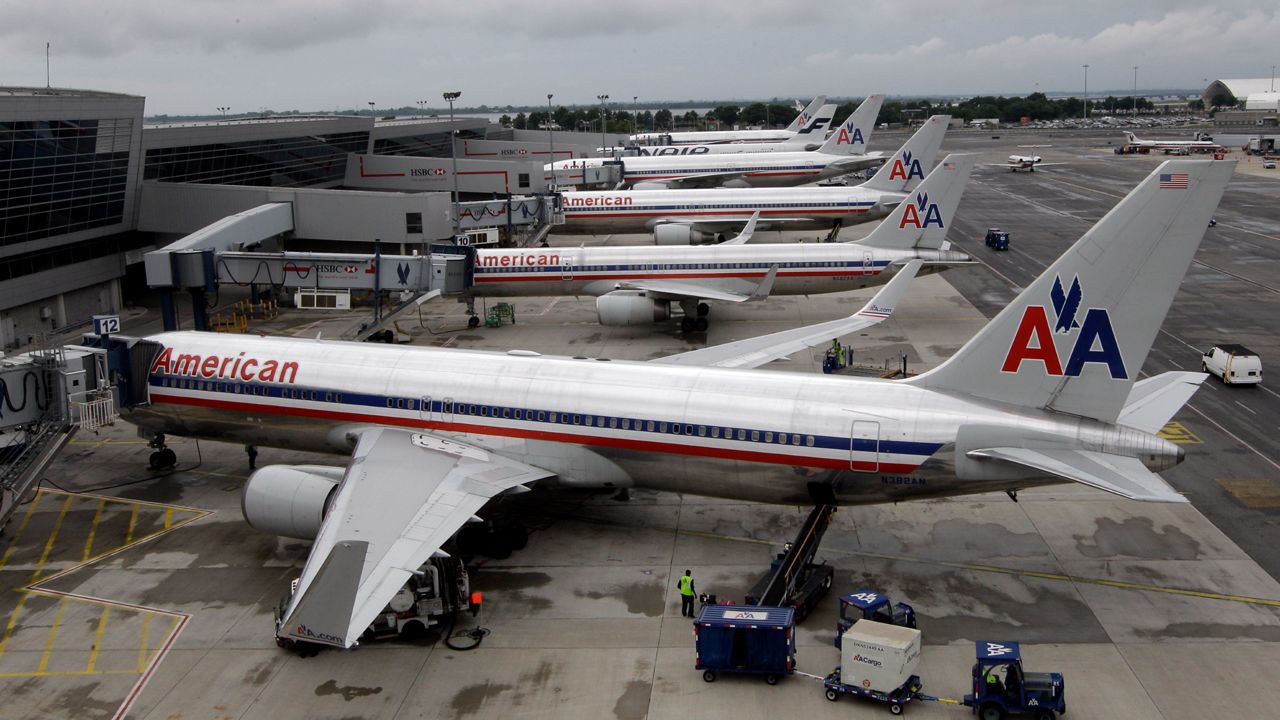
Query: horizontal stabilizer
{"x":756,"y":351}
{"x":1116,"y":474}
{"x":1154,"y":401}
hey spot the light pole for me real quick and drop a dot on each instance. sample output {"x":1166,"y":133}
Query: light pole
{"x":1135,"y":91}
{"x":635,"y":112}
{"x":453,"y":158}
{"x":551,"y":138}
{"x":223,"y":110}
{"x":370,"y":109}
{"x":422,"y":104}
{"x":1086,"y":92}
{"x":602,"y":98}
{"x":1273,"y":78}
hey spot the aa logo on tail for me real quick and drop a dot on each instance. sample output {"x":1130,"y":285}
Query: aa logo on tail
{"x":844,"y":137}
{"x":920,"y":214}
{"x":905,"y":168}
{"x":1094,"y":342}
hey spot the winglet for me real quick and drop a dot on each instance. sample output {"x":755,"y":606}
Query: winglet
{"x":756,"y":351}
{"x":744,"y":237}
{"x":323,"y":612}
{"x":881,"y":306}
{"x":766,"y":284}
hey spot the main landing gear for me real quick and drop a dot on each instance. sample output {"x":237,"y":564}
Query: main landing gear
{"x":695,"y":316}
{"x":473,"y":321}
{"x":163,"y":458}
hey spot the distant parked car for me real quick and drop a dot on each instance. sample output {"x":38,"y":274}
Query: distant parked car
{"x":1268,"y":164}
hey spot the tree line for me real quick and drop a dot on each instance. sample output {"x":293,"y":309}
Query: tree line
{"x":1036,"y":106}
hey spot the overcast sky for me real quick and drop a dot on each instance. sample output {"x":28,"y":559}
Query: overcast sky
{"x":190,"y":56}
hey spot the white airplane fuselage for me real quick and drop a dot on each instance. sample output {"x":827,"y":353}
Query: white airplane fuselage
{"x":714,"y":136}
{"x":738,"y":434}
{"x":621,"y":211}
{"x":779,"y":169}
{"x":803,"y":268}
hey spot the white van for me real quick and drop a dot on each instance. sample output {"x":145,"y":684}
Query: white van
{"x":1235,"y":364}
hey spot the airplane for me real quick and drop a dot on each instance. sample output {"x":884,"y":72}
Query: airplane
{"x":708,"y":137}
{"x":1168,"y":146}
{"x":1023,"y":162}
{"x":684,"y":216}
{"x":643,"y":284}
{"x":843,"y":152}
{"x":809,"y":136}
{"x":1045,"y":393}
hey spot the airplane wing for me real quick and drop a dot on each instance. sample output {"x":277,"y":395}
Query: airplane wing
{"x":754,"y":352}
{"x":722,"y":223}
{"x":683,"y":290}
{"x":701,"y":181}
{"x":403,"y":496}
{"x":858,"y":162}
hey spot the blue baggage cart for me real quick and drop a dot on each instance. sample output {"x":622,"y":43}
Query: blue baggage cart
{"x":745,"y":639}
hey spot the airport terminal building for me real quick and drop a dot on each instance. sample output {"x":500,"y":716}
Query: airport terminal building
{"x":86,"y":189}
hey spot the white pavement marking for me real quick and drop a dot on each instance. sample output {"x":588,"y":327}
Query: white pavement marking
{"x":1246,"y":407}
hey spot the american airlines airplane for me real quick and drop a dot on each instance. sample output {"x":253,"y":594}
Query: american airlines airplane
{"x":1168,"y":146}
{"x":707,"y":137}
{"x":843,"y":152}
{"x":683,"y":216}
{"x":1046,"y":393}
{"x":636,"y":285}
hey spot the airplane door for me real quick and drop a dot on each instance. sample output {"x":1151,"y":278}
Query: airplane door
{"x":868,"y":263}
{"x":446,"y":410}
{"x":864,"y":446}
{"x":424,"y":407}
{"x":566,"y":269}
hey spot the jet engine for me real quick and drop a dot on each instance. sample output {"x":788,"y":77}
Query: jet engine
{"x":676,"y":234}
{"x":631,"y":307}
{"x":290,"y":500}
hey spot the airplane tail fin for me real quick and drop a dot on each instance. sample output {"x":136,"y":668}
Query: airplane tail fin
{"x":807,"y":113}
{"x":922,"y":220}
{"x":1074,"y":340}
{"x":1130,"y":137}
{"x":852,"y":136}
{"x":914,"y":159}
{"x":814,"y":131}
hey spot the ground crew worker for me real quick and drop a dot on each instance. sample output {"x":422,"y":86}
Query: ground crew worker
{"x":687,"y":593}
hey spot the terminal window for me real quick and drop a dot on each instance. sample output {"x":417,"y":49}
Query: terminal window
{"x":62,"y":176}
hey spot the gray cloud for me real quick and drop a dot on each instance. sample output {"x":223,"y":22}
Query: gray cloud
{"x":319,"y":54}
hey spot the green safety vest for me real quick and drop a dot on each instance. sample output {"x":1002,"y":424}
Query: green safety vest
{"x":686,"y":585}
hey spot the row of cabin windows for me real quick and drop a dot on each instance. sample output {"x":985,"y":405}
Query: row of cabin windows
{"x":600,"y":421}
{"x":243,"y":389}
{"x":713,"y":206}
{"x":681,"y":266}
{"x":611,"y":423}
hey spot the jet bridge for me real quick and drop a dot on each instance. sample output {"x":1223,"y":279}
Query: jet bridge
{"x":45,"y":397}
{"x":222,"y":254}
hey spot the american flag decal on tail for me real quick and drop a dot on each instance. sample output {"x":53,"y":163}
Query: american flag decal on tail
{"x":1173,"y":181}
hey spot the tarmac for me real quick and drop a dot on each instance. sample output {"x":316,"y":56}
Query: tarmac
{"x":147,"y":596}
